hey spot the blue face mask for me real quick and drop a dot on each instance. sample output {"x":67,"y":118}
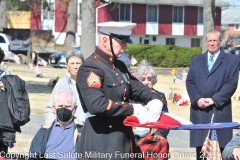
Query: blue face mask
{"x":141,"y":132}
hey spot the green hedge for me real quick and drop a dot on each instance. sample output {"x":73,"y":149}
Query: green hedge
{"x":166,"y":56}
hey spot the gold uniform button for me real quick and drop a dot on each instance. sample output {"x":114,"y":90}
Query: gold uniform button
{"x":116,"y":74}
{"x":122,"y":102}
{"x":110,"y":126}
{"x":113,"y":84}
{"x":95,"y":57}
{"x":124,"y":98}
{"x":110,"y":59}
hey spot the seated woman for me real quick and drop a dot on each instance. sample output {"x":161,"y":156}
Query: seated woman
{"x":148,"y":76}
{"x":74,"y":59}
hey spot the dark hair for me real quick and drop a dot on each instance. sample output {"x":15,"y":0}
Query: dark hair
{"x":2,"y":55}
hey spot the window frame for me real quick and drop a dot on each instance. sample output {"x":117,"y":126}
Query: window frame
{"x":126,"y":15}
{"x":235,"y":27}
{"x":149,"y":7}
{"x":193,"y":42}
{"x":178,"y":15}
{"x":200,"y":19}
{"x":169,"y":41}
{"x":80,"y":11}
{"x":48,"y":12}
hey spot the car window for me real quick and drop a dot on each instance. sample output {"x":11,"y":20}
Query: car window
{"x":2,"y":40}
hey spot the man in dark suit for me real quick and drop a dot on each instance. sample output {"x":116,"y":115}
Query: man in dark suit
{"x":212,"y":80}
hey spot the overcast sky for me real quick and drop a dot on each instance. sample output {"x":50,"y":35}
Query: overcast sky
{"x":234,"y":3}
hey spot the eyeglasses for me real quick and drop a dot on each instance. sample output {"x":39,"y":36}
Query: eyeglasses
{"x":144,"y":79}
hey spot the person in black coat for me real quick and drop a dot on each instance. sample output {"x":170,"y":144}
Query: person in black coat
{"x":105,"y":86}
{"x":211,"y":81}
{"x":4,"y":111}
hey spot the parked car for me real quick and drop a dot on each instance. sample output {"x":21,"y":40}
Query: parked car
{"x":126,"y":58}
{"x":58,"y":59}
{"x":236,"y":51}
{"x":232,"y":41}
{"x":5,"y":46}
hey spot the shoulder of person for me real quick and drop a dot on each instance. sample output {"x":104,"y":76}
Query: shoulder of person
{"x":64,"y":80}
{"x":4,"y":73}
{"x":78,"y":122}
{"x":158,"y":92}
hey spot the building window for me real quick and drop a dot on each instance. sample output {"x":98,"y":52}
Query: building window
{"x":195,"y":42}
{"x":200,"y":14}
{"x":170,"y":41}
{"x":152,"y":12}
{"x":237,"y":27}
{"x":178,"y":14}
{"x":80,"y":11}
{"x":125,"y":12}
{"x":146,"y":41}
{"x":48,"y":12}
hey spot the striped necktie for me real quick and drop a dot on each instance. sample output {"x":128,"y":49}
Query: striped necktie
{"x":210,"y":62}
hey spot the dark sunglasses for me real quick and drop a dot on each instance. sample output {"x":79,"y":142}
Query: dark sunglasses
{"x":144,"y":79}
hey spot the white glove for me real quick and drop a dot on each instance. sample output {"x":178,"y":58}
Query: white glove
{"x":154,"y":110}
{"x":141,"y":118}
{"x":155,"y":105}
{"x":139,"y":109}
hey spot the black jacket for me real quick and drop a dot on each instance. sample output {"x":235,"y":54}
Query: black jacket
{"x":39,"y":142}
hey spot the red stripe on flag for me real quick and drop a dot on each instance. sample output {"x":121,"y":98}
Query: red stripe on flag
{"x":210,"y":147}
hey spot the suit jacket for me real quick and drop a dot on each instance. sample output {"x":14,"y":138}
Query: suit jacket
{"x":219,"y":84}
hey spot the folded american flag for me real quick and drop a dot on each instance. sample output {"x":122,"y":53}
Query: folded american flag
{"x":173,"y":122}
{"x":180,"y":79}
{"x":210,"y":147}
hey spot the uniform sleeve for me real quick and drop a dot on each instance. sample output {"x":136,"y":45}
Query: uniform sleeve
{"x":234,"y":143}
{"x":89,"y":85}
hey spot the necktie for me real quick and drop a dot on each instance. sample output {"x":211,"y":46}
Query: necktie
{"x":210,"y":62}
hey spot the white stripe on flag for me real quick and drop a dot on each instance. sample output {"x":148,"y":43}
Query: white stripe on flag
{"x":182,"y":80}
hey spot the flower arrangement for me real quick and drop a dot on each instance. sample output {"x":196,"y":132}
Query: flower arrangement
{"x":179,"y":100}
{"x":52,"y":82}
{"x":174,"y":72}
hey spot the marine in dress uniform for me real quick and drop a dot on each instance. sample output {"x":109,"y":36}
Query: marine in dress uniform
{"x":105,"y":86}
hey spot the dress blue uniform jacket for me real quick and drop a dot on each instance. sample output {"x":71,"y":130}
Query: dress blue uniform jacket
{"x":105,"y":86}
{"x":219,"y":84}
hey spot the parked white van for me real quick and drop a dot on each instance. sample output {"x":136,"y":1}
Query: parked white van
{"x":5,"y":46}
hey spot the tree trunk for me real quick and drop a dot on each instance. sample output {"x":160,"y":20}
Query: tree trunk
{"x":88,"y":39}
{"x":3,"y":15}
{"x":71,"y":23}
{"x":208,"y":20}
